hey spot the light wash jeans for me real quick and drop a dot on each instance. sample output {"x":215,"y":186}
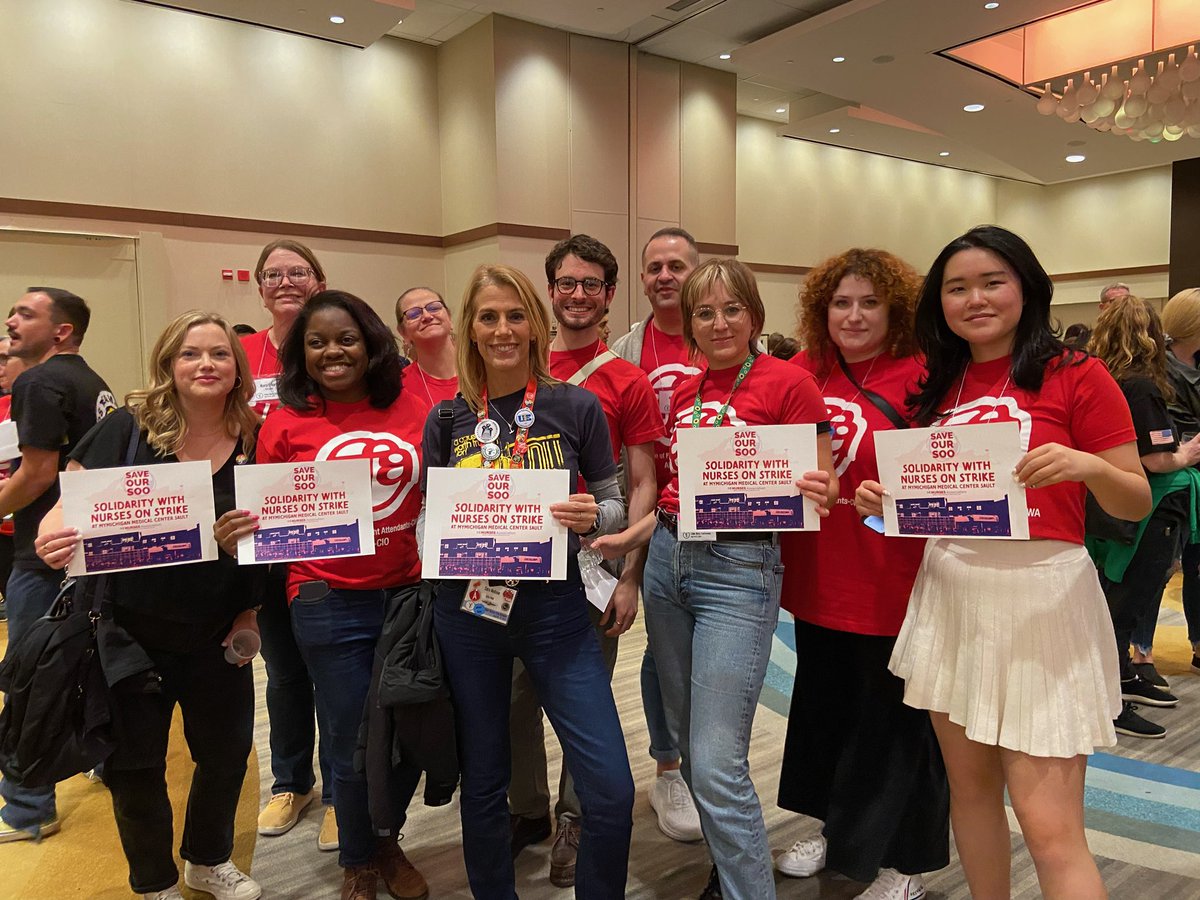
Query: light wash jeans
{"x":711,"y":609}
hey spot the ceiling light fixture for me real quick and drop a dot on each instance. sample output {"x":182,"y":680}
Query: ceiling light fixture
{"x":839,"y":59}
{"x":944,"y":153}
{"x":781,"y":109}
{"x":1076,"y":158}
{"x":990,"y":5}
{"x":726,"y":56}
{"x":835,"y":131}
{"x":973,"y":107}
{"x":336,"y":20}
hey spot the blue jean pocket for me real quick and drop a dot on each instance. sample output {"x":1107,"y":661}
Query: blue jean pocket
{"x":312,"y":620}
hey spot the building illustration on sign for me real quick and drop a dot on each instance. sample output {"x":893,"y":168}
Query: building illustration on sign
{"x":489,"y":558}
{"x":302,"y":542}
{"x":938,"y":516}
{"x":732,"y":512}
{"x":133,"y":549}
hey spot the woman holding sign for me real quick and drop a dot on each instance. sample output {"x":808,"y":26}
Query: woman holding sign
{"x":856,"y":757}
{"x":185,"y":617}
{"x":1008,"y":644}
{"x":712,"y":606}
{"x":511,"y":414}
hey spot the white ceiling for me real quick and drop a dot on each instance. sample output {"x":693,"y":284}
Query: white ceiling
{"x":907,"y":106}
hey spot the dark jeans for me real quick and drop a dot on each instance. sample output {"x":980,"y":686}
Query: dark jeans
{"x":217,"y":702}
{"x":28,"y":595}
{"x":550,"y":633}
{"x":1137,"y":595}
{"x":289,"y":697}
{"x":1191,"y":591}
{"x":337,"y":634}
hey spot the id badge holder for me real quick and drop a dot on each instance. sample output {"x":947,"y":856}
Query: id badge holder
{"x":488,"y":601}
{"x":266,"y":390}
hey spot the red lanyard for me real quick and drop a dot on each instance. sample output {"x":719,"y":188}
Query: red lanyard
{"x":521,"y":435}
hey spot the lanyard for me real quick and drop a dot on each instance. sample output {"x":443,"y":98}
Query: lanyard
{"x":520,"y":437}
{"x":698,"y":405}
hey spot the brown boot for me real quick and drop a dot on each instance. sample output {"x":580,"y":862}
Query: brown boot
{"x":400,"y":877}
{"x":564,"y":851}
{"x":359,"y":883}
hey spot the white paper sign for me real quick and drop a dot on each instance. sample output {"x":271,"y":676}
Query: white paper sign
{"x":744,"y":479}
{"x":137,"y":518}
{"x":954,"y":481}
{"x":494,"y":523}
{"x":309,"y":510}
{"x":10,"y":445}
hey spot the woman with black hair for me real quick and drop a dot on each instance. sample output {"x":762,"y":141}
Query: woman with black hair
{"x":1008,"y":644}
{"x":341,"y":390}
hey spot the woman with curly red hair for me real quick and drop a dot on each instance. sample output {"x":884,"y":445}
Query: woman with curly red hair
{"x":856,"y":757}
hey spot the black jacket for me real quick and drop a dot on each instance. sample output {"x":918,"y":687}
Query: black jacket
{"x":1185,"y":407}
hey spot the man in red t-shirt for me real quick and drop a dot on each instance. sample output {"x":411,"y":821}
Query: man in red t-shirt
{"x":581,"y":276}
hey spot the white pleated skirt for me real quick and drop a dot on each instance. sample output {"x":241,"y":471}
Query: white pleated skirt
{"x":1012,"y":640}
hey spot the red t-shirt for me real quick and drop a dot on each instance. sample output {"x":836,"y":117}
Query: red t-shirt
{"x":6,"y":526}
{"x":264,"y":366}
{"x":666,"y":363}
{"x":773,"y":393}
{"x":1078,"y":406}
{"x":391,"y":439}
{"x":847,"y":577}
{"x":426,"y":388}
{"x":624,"y":391}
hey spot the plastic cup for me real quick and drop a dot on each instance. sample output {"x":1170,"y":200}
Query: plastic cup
{"x":244,"y":645}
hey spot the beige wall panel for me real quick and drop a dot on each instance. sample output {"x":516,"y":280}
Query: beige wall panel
{"x":466,"y":105}
{"x":779,"y":294}
{"x":799,"y":203}
{"x":460,"y":262}
{"x":657,"y":134}
{"x":1087,"y":292}
{"x":613,"y":230}
{"x":200,"y":115}
{"x":708,"y":154}
{"x":528,"y":255}
{"x":599,"y":127}
{"x":532,"y":124}
{"x":1095,"y":223}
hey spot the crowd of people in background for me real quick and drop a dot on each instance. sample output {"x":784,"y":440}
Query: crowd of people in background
{"x":933,"y":676}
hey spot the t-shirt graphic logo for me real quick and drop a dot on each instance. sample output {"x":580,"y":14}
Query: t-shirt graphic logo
{"x":984,"y":410}
{"x":848,"y":426}
{"x":708,"y":415}
{"x":394,"y":465}
{"x":105,"y":403}
{"x":664,"y":380}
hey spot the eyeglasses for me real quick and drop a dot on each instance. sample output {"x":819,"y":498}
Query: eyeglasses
{"x":273,"y":278}
{"x":730,"y":312}
{"x":591,"y":286}
{"x":433,"y":307}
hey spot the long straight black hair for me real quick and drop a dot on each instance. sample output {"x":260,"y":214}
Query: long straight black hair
{"x":384,"y":381}
{"x":1035,"y":344}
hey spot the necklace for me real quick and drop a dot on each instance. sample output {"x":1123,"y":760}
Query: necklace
{"x":698,"y":406}
{"x":653,"y":343}
{"x":424,"y":383}
{"x":862,"y":384}
{"x":958,"y":396}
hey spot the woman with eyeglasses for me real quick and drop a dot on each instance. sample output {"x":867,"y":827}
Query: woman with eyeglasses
{"x":1009,"y":644}
{"x":512,"y":414}
{"x":423,"y":322}
{"x":288,"y":273}
{"x":711,"y":606}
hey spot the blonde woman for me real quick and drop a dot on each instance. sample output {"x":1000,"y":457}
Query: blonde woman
{"x":196,"y":408}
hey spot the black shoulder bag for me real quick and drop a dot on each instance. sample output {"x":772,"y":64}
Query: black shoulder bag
{"x":877,"y":400}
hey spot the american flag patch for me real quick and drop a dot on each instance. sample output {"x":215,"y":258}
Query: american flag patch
{"x":1162,"y":437}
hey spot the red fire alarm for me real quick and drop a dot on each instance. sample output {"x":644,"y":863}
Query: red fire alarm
{"x":227,"y":274}
{"x":243,"y":274}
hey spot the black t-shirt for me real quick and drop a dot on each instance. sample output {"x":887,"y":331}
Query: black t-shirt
{"x":1155,"y":429}
{"x":569,"y":432}
{"x":206,"y":595}
{"x":54,"y":405}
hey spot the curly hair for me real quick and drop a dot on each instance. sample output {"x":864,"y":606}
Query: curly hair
{"x":1128,"y":338}
{"x":157,"y":409}
{"x":896,"y":283}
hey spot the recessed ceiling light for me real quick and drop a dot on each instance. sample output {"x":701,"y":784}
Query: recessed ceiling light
{"x":781,"y":109}
{"x":1076,"y":158}
{"x":973,"y":107}
{"x":336,"y":20}
{"x":992,"y":5}
{"x":835,"y":131}
{"x":839,"y":59}
{"x":944,"y":153}
{"x":726,"y":55}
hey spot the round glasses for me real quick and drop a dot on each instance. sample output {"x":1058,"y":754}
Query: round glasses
{"x":433,"y":307}
{"x":730,"y":312}
{"x":273,"y":278}
{"x":591,"y":286}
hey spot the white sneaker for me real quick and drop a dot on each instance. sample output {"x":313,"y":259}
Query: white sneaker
{"x":677,"y":816}
{"x":805,"y":858}
{"x":891,"y":885}
{"x":224,"y":881}
{"x":171,"y":893}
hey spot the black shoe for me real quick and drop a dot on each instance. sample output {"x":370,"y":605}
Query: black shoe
{"x":1139,"y":690}
{"x":712,"y":891}
{"x":524,"y":831}
{"x":1130,"y":723}
{"x":1147,"y":672}
{"x":1196,"y":663}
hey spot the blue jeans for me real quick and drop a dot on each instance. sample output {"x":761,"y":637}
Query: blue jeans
{"x":289,"y":696}
{"x":28,"y":596}
{"x":1191,"y":591}
{"x":337,"y":634}
{"x":664,"y":746}
{"x":711,"y":609}
{"x":550,"y":633}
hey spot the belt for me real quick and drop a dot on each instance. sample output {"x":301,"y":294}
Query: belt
{"x":671,"y":523}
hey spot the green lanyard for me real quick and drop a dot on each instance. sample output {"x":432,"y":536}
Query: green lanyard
{"x":698,"y":405}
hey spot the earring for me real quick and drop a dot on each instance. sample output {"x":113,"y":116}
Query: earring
{"x":237,"y":382}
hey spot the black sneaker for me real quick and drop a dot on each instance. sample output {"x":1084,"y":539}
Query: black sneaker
{"x":1147,"y":672}
{"x":712,"y":891}
{"x":524,"y":830}
{"x":1141,"y":691}
{"x":1130,"y":723}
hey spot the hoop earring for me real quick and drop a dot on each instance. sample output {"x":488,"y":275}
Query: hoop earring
{"x":237,"y":382}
